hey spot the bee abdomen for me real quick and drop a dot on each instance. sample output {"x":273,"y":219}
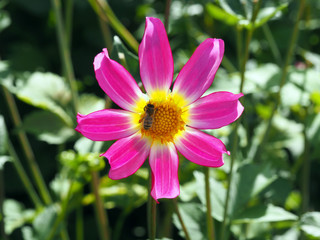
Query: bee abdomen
{"x":147,"y":124}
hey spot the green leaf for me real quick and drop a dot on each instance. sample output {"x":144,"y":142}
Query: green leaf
{"x":126,"y":58}
{"x":254,"y":230}
{"x":47,"y":127}
{"x":3,"y":136}
{"x":89,"y":103}
{"x":310,"y":224}
{"x":44,"y":222}
{"x":5,"y":20}
{"x":243,"y":7}
{"x":240,"y":12}
{"x":60,"y":185}
{"x":314,"y":58}
{"x":15,"y":215}
{"x":129,"y":193}
{"x":222,"y":15}
{"x":264,"y":213}
{"x":292,"y":234}
{"x":248,"y":181}
{"x":194,"y":218}
{"x":41,"y":225}
{"x":3,"y":160}
{"x":217,"y":194}
{"x":27,"y":233}
{"x":267,"y":13}
{"x":313,"y":130}
{"x":84,"y":145}
{"x":307,"y":80}
{"x":263,"y":78}
{"x":47,"y":91}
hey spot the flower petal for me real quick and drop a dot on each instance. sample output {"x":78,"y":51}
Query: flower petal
{"x":127,"y":155}
{"x":198,"y":73}
{"x":107,"y":124}
{"x":156,"y":62}
{"x":116,"y":81}
{"x":215,"y":110}
{"x":201,"y":148}
{"x":164,"y":163}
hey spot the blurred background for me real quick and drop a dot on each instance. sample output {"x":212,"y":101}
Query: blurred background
{"x":54,"y":185}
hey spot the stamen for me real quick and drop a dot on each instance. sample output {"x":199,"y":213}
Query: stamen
{"x":167,"y":121}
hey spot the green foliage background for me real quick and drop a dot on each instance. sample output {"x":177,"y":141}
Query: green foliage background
{"x":53,"y":182}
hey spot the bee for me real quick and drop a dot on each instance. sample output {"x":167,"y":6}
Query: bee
{"x":148,"y":118}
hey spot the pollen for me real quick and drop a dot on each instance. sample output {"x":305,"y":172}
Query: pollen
{"x":166,"y":121}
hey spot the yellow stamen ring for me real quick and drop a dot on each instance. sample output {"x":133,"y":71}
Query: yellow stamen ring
{"x":167,"y":121}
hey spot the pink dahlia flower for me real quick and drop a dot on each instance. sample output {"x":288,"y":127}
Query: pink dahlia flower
{"x":161,"y":122}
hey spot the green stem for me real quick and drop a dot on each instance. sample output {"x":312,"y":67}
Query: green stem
{"x":282,"y":79}
{"x":101,"y":214}
{"x":114,"y":22}
{"x":118,"y":229}
{"x":226,"y":220}
{"x":239,"y":44}
{"x":3,"y":234}
{"x":167,"y":14}
{"x":305,"y":174}
{"x":184,"y":228}
{"x":65,"y":53}
{"x":227,"y":64}
{"x":79,"y":219}
{"x":255,"y":10}
{"x":210,"y":223}
{"x":272,"y":43}
{"x":69,"y":16}
{"x":62,"y":214}
{"x":166,"y":220}
{"x":36,"y":174}
{"x":103,"y":25}
{"x":23,"y":176}
{"x":243,"y":63}
{"x":152,"y":213}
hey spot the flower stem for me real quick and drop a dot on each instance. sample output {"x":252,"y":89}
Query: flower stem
{"x":305,"y":174}
{"x":114,"y":22}
{"x":152,"y":213}
{"x":210,"y":223}
{"x":2,"y":197}
{"x":65,"y":53}
{"x":79,"y":219}
{"x":36,"y":174}
{"x":273,"y":46}
{"x":69,"y":16}
{"x":184,"y":228}
{"x":239,"y":44}
{"x":118,"y":229}
{"x":23,"y":176}
{"x":103,"y":26}
{"x":242,"y":63}
{"x":255,"y":10}
{"x":101,"y":215}
{"x":167,"y":14}
{"x":61,"y":215}
{"x":282,"y":79}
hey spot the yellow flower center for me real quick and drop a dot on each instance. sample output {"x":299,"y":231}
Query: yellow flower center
{"x":162,"y":122}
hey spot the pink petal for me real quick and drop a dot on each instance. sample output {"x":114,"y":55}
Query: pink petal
{"x":215,"y":110}
{"x":198,"y":73}
{"x":164,"y":163}
{"x":127,"y":155}
{"x":156,"y":62}
{"x":201,"y":148}
{"x":107,"y":124}
{"x":116,"y":81}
